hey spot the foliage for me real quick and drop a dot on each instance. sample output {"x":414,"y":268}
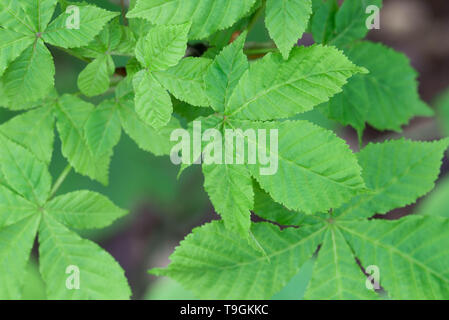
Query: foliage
{"x":326,"y":197}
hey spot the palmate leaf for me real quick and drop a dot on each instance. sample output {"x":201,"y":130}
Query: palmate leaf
{"x":31,"y":76}
{"x":163,"y":46}
{"x":186,"y":82}
{"x":16,"y":242}
{"x":336,"y":274}
{"x":311,"y":76}
{"x":95,"y":78}
{"x":72,"y":114}
{"x":12,"y":44}
{"x":397,"y":173}
{"x":207,"y":16}
{"x":101,"y":277}
{"x":84,"y":210}
{"x":316,"y":169}
{"x":225,"y":72}
{"x":153,"y":103}
{"x":25,"y":174}
{"x":39,"y":12}
{"x":386,"y":98}
{"x":231,"y":192}
{"x":91,"y":21}
{"x":413,"y":262}
{"x":33,"y":130}
{"x":286,"y":21}
{"x":211,"y":253}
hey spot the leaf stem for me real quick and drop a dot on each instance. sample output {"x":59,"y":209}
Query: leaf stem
{"x":256,"y":17}
{"x":259,"y":51}
{"x":60,"y":180}
{"x":122,"y":4}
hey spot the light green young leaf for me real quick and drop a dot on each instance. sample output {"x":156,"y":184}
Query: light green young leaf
{"x":13,"y":207}
{"x":380,"y":98}
{"x":336,"y":275}
{"x":101,"y":277}
{"x":12,"y":44}
{"x":230,"y":190}
{"x":84,"y":210}
{"x":309,"y":168}
{"x":286,"y":21}
{"x":16,"y":242}
{"x":31,"y":76}
{"x":72,"y":114}
{"x":12,"y":17}
{"x":225,"y":72}
{"x":186,"y":81}
{"x":350,"y":21}
{"x":163,"y":46}
{"x":397,"y":173}
{"x":411,"y":253}
{"x":147,"y":138}
{"x":103,"y":129}
{"x":91,"y":21}
{"x":95,"y":78}
{"x":207,"y":16}
{"x":311,"y":76}
{"x":212,"y":252}
{"x":153,"y":103}
{"x":23,"y":172}
{"x":33,"y":130}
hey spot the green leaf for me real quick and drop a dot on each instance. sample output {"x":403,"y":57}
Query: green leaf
{"x":211,"y":252}
{"x":31,"y":76}
{"x":311,"y":76}
{"x":39,"y":12}
{"x":13,"y":17}
{"x":101,"y":277}
{"x":323,"y":20}
{"x":442,"y":106}
{"x":267,"y":208}
{"x":153,"y":103}
{"x":186,"y":81}
{"x":72,"y":114}
{"x":12,"y":45}
{"x":23,"y":172}
{"x":336,"y":275}
{"x":103,"y":129}
{"x":33,"y":130}
{"x":13,"y":207}
{"x":310,"y":169}
{"x":225,"y":72}
{"x":350,"y":21}
{"x":380,"y":98}
{"x":286,"y":21}
{"x":230,"y":189}
{"x":207,"y":16}
{"x":413,"y":263}
{"x":437,"y":202}
{"x":84,"y":210}
{"x":147,"y":138}
{"x":163,"y":46}
{"x":397,"y":173}
{"x":95,"y":78}
{"x":16,"y":242}
{"x":91,"y":21}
